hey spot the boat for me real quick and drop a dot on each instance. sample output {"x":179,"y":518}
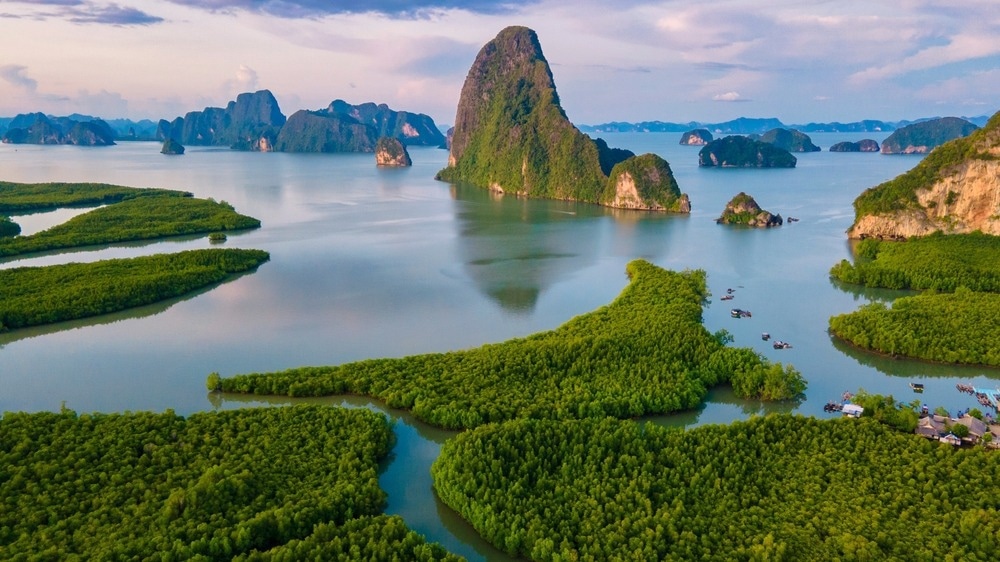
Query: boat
{"x":727,"y":297}
{"x":765,"y":336}
{"x":917,"y":387}
{"x":739,"y":313}
{"x":778,"y":344}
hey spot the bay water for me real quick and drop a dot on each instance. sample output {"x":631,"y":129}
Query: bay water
{"x":369,"y":262}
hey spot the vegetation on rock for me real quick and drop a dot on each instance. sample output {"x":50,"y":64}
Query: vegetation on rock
{"x":743,"y":210}
{"x":737,"y":151}
{"x":251,"y":122}
{"x":696,"y":137}
{"x":772,"y":488}
{"x":31,"y":296}
{"x":258,"y":483}
{"x":790,"y":140}
{"x":864,"y":145}
{"x":922,"y":137}
{"x":309,"y":131}
{"x":645,"y":182}
{"x":512,"y":136}
{"x":645,"y":353}
{"x":38,"y":128}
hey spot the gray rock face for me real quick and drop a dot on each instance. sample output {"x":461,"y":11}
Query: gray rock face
{"x":415,"y":129}
{"x":170,"y":146}
{"x":38,"y":128}
{"x":251,"y":122}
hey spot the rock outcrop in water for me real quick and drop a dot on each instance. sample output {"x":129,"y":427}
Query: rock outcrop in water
{"x":743,"y":210}
{"x":921,"y":138}
{"x":170,"y":146}
{"x":737,"y":151}
{"x":389,"y":152}
{"x":251,"y":122}
{"x":954,"y":189}
{"x":512,"y":136}
{"x":413,"y":129}
{"x":696,"y":137}
{"x":864,"y":145}
{"x":38,"y":128}
{"x":646,"y":183}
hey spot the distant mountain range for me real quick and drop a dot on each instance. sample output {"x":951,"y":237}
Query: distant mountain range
{"x":748,"y":125}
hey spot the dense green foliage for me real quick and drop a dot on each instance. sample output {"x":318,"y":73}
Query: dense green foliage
{"x":959,"y":327}
{"x":210,"y":487}
{"x":140,"y":218}
{"x":901,"y":192}
{"x":8,"y":227}
{"x":653,"y":180}
{"x":645,"y":353}
{"x":512,"y":134}
{"x":885,"y":409}
{"x":742,"y":209}
{"x":312,"y":131}
{"x":737,"y":151}
{"x":937,"y":261}
{"x":790,"y":140}
{"x":23,"y":197}
{"x":31,"y":296}
{"x":773,"y":488}
{"x":381,"y":537}
{"x":926,"y":134}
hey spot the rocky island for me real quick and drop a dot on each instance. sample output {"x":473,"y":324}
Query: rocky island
{"x":512,"y":136}
{"x":696,"y":137}
{"x":170,"y":146}
{"x":389,"y":152}
{"x":790,"y":140}
{"x":864,"y":145}
{"x":742,"y":209}
{"x":251,"y":122}
{"x":737,"y":151}
{"x":38,"y":128}
{"x":954,"y":189}
{"x":922,"y":137}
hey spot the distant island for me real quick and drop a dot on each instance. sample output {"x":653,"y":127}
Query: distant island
{"x":38,"y":128}
{"x":696,"y":137}
{"x":921,"y":138}
{"x":749,"y":125}
{"x":864,"y":145}
{"x":790,"y":140}
{"x":511,"y":135}
{"x":737,"y":151}
{"x":953,"y":190}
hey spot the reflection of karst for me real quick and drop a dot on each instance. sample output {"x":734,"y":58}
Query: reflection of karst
{"x":514,"y":248}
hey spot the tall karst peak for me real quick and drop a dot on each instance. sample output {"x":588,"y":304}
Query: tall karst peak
{"x":512,"y":136}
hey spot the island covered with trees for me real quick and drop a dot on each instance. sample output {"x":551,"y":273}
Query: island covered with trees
{"x":645,"y":353}
{"x":31,"y":296}
{"x":779,"y":487}
{"x":253,"y":484}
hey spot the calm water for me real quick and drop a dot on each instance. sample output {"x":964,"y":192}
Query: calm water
{"x":374,"y":263}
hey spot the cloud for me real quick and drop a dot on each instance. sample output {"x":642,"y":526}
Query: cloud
{"x":244,"y":81}
{"x":14,"y":75}
{"x":294,"y":9}
{"x":85,"y":12}
{"x":729,"y":96}
{"x":112,"y":14}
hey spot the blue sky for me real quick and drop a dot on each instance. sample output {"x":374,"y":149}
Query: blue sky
{"x":633,"y":60}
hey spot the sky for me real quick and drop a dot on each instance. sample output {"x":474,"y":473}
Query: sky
{"x":631,"y":60}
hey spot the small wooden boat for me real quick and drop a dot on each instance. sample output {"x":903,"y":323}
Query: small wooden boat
{"x":917,"y":387}
{"x":765,"y":336}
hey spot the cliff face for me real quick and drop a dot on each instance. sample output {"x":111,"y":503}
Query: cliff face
{"x":251,"y":122}
{"x":645,"y":183}
{"x":307,"y":131}
{"x":512,"y":136}
{"x":37,"y":128}
{"x":955,"y":189}
{"x":415,"y":129}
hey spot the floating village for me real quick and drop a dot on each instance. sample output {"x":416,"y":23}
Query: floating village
{"x":980,"y":424}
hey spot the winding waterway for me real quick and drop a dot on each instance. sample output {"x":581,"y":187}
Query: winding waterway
{"x":369,"y":262}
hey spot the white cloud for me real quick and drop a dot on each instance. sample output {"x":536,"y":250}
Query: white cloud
{"x":728,"y":96}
